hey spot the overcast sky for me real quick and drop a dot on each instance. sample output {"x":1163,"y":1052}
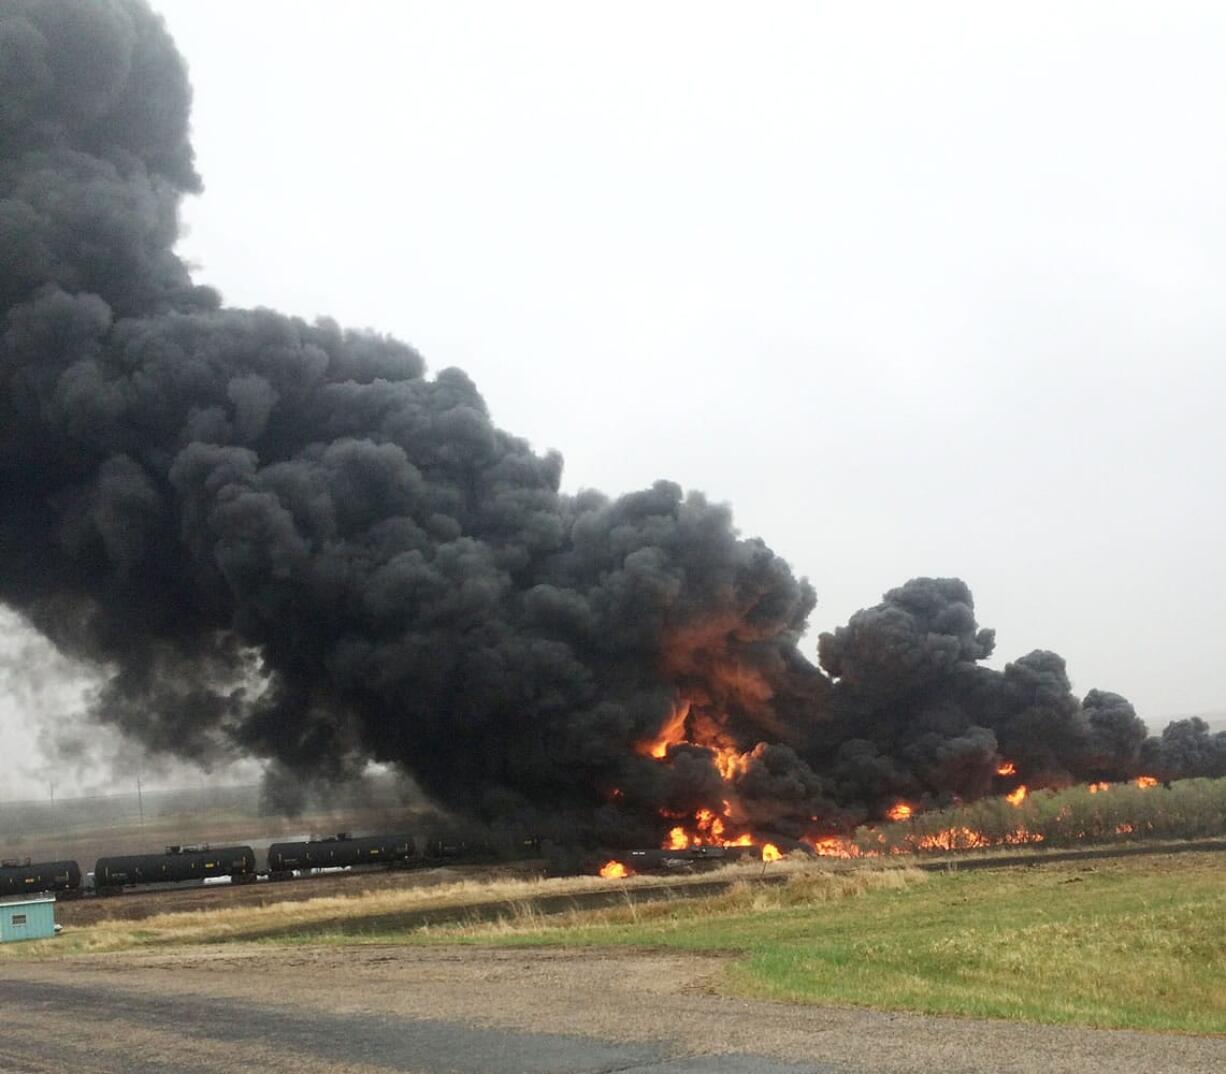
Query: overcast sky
{"x":919,"y":289}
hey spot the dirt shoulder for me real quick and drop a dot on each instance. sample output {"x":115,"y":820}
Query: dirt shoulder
{"x":625,"y":996}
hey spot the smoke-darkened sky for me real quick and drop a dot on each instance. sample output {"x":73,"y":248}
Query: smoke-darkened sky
{"x":932,"y":293}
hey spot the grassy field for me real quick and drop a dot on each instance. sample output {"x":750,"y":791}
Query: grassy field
{"x":1131,"y":943}
{"x":1139,"y":944}
{"x":359,"y":916}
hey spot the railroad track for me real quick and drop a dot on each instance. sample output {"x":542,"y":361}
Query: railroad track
{"x":621,"y":894}
{"x":137,"y":903}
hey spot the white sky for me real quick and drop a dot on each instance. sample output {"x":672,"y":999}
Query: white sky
{"x":918,"y":288}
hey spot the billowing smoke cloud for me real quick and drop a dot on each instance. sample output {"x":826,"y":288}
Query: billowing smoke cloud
{"x":285,"y":540}
{"x":915,"y":714}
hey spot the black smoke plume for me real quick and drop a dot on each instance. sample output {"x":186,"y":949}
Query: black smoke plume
{"x":284,"y":540}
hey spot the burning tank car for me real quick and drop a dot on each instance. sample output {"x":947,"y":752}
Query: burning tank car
{"x":665,"y":860}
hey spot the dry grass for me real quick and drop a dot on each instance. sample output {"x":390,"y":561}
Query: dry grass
{"x":313,"y":917}
{"x":809,"y":885}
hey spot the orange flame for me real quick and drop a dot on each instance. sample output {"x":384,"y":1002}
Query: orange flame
{"x":899,"y":811}
{"x":1145,"y":782}
{"x":708,"y":830}
{"x":961,"y":838}
{"x":770,"y":852}
{"x":952,"y":839}
{"x":730,"y":762}
{"x":1095,"y":788}
{"x":833,"y":846}
{"x":1017,"y":797}
{"x":699,"y":727}
{"x":1006,"y":768}
{"x":709,"y":823}
{"x":614,"y":870}
{"x":670,"y":734}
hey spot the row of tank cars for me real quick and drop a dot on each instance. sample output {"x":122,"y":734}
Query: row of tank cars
{"x":186,"y":864}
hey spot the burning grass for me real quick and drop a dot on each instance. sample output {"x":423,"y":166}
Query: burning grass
{"x":1136,"y":943}
{"x":1088,"y":815}
{"x":806,"y":887}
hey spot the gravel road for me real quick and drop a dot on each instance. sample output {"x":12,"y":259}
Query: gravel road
{"x":468,"y":1011}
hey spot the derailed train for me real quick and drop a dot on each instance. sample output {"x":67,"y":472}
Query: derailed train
{"x":185,"y":864}
{"x":286,"y":860}
{"x":392,"y":851}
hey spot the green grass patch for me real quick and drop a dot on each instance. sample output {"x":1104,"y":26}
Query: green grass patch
{"x":1131,"y":943}
{"x":1138,"y":943}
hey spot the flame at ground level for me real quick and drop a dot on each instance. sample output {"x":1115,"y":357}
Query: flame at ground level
{"x":1144,"y":782}
{"x":909,"y":830}
{"x":614,"y":870}
{"x":834,"y":846}
{"x":728,"y":827}
{"x":708,"y":829}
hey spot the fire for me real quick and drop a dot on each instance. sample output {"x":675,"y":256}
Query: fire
{"x":708,"y":827}
{"x":708,"y":830}
{"x":614,"y":870}
{"x":961,"y":838}
{"x":833,"y":846}
{"x":672,"y":733}
{"x":953,"y":839}
{"x":709,"y":824}
{"x":1144,"y":782}
{"x":1124,"y":829}
{"x":730,"y":762}
{"x":724,"y":825}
